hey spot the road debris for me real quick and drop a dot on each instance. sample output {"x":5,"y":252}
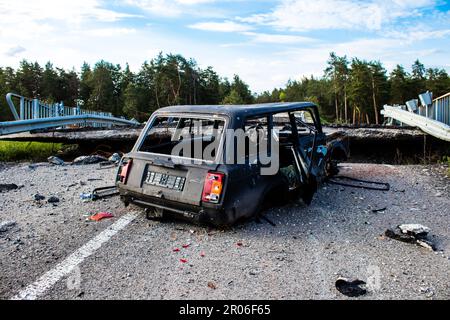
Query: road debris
{"x":8,"y":187}
{"x":100,"y":216}
{"x":92,"y":159}
{"x":106,"y":165}
{"x":53,"y":200}
{"x":38,"y":197}
{"x":86,"y":196}
{"x":412,"y":233}
{"x":7,"y":225}
{"x":55,"y":160}
{"x":414,"y":229}
{"x":359,"y":183}
{"x":428,"y":292}
{"x":104,"y":192}
{"x":212,"y":285}
{"x":351,"y":288}
{"x":115,"y":158}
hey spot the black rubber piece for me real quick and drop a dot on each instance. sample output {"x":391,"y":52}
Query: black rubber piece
{"x":385,"y":186}
{"x":104,"y":192}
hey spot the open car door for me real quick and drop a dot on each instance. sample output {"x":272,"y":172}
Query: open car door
{"x":309,"y":151}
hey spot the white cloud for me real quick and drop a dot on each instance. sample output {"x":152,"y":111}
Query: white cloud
{"x":225,"y":26}
{"x":68,"y":11}
{"x":166,"y":8}
{"x":418,"y":34}
{"x":278,"y":38}
{"x":68,"y":33}
{"x":111,"y":32}
{"x":193,"y":2}
{"x":304,"y":15}
{"x":25,"y":20}
{"x":14,"y":51}
{"x":267,"y":70}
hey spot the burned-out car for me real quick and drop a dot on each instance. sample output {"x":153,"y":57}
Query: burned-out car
{"x":220,"y":164}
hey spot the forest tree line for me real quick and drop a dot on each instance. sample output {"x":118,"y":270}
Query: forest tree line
{"x":350,"y":90}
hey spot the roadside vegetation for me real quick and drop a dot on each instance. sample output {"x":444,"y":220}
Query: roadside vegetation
{"x":446,"y":161}
{"x":11,"y":151}
{"x":351,"y":90}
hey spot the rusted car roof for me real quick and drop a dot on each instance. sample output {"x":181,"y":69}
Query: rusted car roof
{"x":238,"y":110}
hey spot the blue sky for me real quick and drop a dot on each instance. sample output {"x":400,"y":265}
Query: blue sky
{"x":265,"y":42}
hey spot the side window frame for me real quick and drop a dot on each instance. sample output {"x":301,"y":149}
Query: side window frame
{"x":269,"y":124}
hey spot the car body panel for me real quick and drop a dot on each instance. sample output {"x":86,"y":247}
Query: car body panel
{"x":244,"y":188}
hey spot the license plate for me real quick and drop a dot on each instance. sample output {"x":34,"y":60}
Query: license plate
{"x":165,"y":180}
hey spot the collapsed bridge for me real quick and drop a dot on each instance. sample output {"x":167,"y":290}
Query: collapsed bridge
{"x":432,"y":116}
{"x":33,"y":114}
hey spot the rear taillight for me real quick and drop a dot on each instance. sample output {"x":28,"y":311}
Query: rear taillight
{"x":125,"y":170}
{"x":212,"y":189}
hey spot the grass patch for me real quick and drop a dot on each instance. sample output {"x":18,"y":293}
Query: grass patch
{"x":32,"y":151}
{"x":446,"y":160}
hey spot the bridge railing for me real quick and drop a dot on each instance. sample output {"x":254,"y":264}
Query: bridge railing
{"x":35,"y":109}
{"x":441,"y":109}
{"x":432,"y":116}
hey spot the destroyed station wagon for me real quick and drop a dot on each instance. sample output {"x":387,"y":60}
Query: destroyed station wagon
{"x":221,"y":164}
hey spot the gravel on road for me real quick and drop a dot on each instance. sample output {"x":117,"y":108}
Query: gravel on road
{"x":340,"y":235}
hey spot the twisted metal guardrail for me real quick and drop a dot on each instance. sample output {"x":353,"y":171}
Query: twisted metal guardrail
{"x":33,"y":114}
{"x":432,"y":116}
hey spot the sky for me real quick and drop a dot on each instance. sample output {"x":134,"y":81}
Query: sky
{"x":265,"y":42}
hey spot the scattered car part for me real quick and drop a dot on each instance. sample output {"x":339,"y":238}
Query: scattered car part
{"x":106,"y":165}
{"x":412,"y":233}
{"x":104,"y":192}
{"x":362,"y":184}
{"x":56,"y":161}
{"x":414,"y":229}
{"x":38,"y":197}
{"x":53,"y":200}
{"x":115,"y":158}
{"x":92,"y":159}
{"x":351,"y":288}
{"x":8,"y":187}
{"x":86,"y":196}
{"x":100,"y":216}
{"x":7,"y":225}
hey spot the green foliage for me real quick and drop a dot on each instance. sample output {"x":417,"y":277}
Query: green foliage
{"x":350,"y":91}
{"x":446,"y":161}
{"x":354,"y":92}
{"x":399,"y":85}
{"x":33,"y":151}
{"x":233,"y":98}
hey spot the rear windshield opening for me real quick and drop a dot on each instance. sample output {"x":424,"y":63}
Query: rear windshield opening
{"x":187,"y":137}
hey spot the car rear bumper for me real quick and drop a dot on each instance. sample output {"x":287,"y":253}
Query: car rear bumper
{"x":212,"y":214}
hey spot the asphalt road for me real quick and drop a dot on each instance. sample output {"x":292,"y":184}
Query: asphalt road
{"x":53,"y":252}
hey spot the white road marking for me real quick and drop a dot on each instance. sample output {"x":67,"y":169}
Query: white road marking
{"x":50,"y":278}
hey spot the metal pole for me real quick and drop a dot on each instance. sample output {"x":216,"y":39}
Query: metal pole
{"x":35,"y":109}
{"x":22,"y":108}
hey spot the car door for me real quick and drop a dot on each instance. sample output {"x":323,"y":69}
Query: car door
{"x":310,"y":151}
